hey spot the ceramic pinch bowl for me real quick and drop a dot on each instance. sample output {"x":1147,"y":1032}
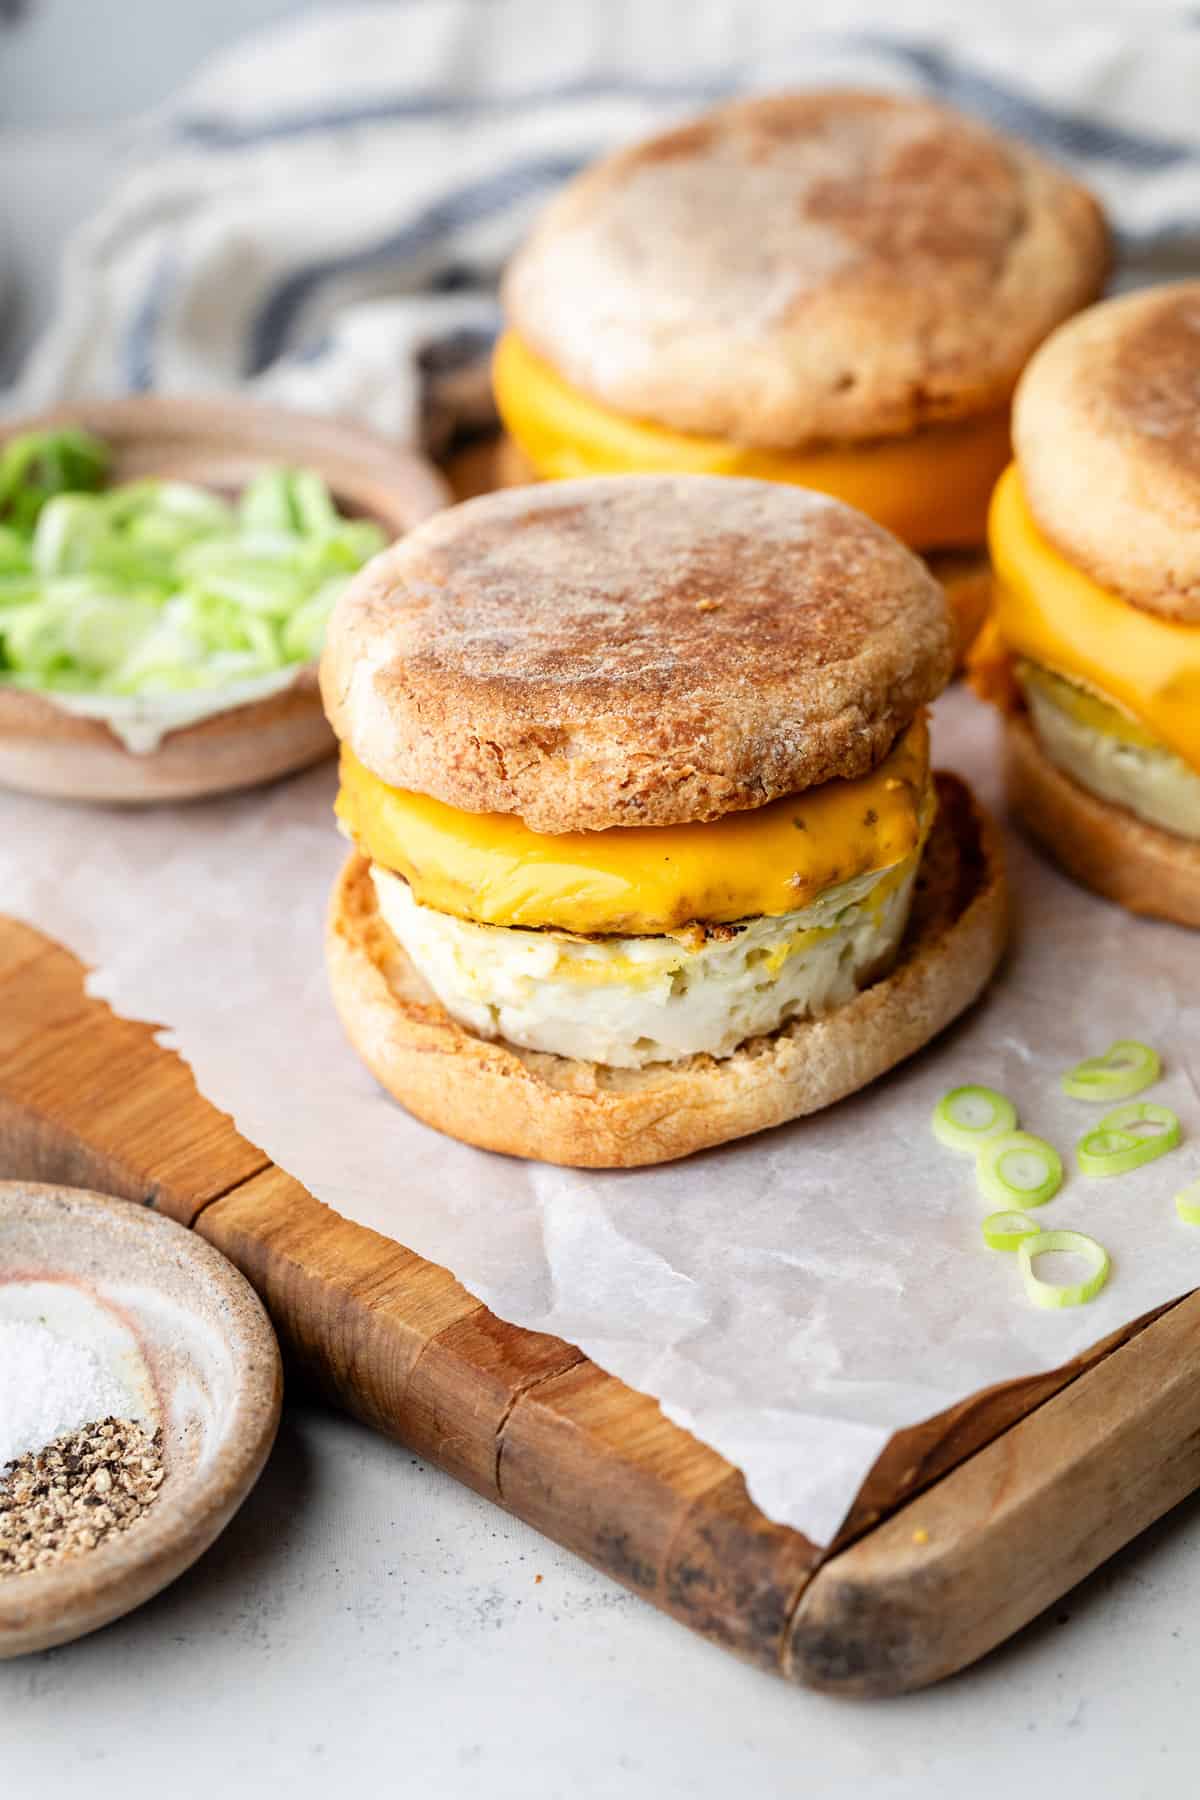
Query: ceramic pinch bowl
{"x":187,"y":1340}
{"x":48,"y":747}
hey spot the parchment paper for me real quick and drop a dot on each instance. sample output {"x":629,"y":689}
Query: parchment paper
{"x":792,"y":1299}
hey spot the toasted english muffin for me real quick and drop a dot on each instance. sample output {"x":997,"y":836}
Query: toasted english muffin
{"x":636,"y":650}
{"x":807,"y":268}
{"x":1106,"y":428}
{"x":648,"y":850}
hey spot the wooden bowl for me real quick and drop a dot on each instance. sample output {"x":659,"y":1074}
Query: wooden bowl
{"x":129,"y":1281}
{"x":46,"y":749}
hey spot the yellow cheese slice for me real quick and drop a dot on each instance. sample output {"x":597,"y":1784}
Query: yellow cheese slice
{"x":643,"y":880}
{"x":1053,"y":614}
{"x":931,"y":488}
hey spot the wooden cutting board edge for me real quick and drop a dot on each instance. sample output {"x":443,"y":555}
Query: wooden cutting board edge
{"x":969,"y":1525}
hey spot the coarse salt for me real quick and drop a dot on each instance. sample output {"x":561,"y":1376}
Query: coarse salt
{"x":49,"y":1385}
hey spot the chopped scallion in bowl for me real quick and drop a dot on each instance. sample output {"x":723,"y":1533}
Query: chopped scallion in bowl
{"x":156,"y":587}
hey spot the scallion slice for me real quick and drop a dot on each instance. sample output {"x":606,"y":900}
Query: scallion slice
{"x":1108,"y":1153}
{"x":1127,"y":1137}
{"x":1187,"y":1203}
{"x":40,"y":464}
{"x":966,"y":1117}
{"x":1053,"y":1294}
{"x":1017,"y":1166}
{"x":1126,"y":1068}
{"x":1006,"y":1230}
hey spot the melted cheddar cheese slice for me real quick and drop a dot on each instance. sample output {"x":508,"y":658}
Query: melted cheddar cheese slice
{"x":643,"y":880}
{"x":1055,"y":616}
{"x":931,"y":488}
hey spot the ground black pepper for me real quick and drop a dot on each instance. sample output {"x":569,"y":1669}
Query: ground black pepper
{"x":87,"y":1485}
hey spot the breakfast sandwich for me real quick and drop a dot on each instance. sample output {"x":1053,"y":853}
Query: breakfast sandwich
{"x":647,"y":850}
{"x":1095,"y":648}
{"x":836,"y":290}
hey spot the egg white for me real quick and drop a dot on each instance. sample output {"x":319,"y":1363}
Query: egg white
{"x":1153,"y":782}
{"x":632,"y":1001}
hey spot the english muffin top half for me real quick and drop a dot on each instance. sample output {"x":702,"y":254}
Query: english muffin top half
{"x":1107,"y":434}
{"x":806,"y":269}
{"x":634,"y":651}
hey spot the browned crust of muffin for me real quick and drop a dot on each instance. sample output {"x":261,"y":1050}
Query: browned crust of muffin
{"x":966,"y":575}
{"x":558,"y":1109}
{"x":1107,"y":433}
{"x":634,"y":650}
{"x":1105,"y":847}
{"x":807,"y":268}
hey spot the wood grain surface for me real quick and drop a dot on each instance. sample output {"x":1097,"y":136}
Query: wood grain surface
{"x":968,"y":1525}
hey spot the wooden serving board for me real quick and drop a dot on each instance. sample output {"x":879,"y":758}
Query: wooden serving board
{"x":967,"y":1526}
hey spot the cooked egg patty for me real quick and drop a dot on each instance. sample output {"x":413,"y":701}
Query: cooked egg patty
{"x":642,"y":945}
{"x":1109,"y":753}
{"x":630,"y":1001}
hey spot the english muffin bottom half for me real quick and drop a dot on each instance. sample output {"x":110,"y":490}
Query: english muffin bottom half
{"x":647,"y":850}
{"x":1094,"y":652}
{"x":833,"y":289}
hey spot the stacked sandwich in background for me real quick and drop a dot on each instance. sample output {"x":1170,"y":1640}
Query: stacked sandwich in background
{"x":1096,"y":541}
{"x":837,"y":290}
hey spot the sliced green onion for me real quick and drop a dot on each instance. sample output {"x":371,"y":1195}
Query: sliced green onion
{"x":304,"y":633}
{"x":1018,"y":1166}
{"x":35,"y":467}
{"x":266,"y":503}
{"x":1108,"y":1153}
{"x":1006,"y":1230}
{"x":1126,"y":1068}
{"x":99,"y":633}
{"x":15,"y":558}
{"x":69,"y":529}
{"x":965,"y":1117}
{"x":1053,"y":1293}
{"x":312,"y":506}
{"x":1138,"y":1113}
{"x":1127,"y":1137}
{"x":155,"y":586}
{"x":1187,"y":1203}
{"x":289,"y":500}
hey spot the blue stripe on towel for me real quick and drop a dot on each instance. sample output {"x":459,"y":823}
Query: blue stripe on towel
{"x":1052,"y":128}
{"x":137,"y":349}
{"x":271,"y":329}
{"x":948,"y":77}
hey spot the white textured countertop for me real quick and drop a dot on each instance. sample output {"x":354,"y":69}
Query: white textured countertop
{"x":366,"y":1625}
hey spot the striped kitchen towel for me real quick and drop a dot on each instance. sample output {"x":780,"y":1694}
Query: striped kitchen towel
{"x":321,"y":215}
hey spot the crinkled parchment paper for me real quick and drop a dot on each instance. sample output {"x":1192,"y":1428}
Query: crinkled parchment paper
{"x":792,"y":1299}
